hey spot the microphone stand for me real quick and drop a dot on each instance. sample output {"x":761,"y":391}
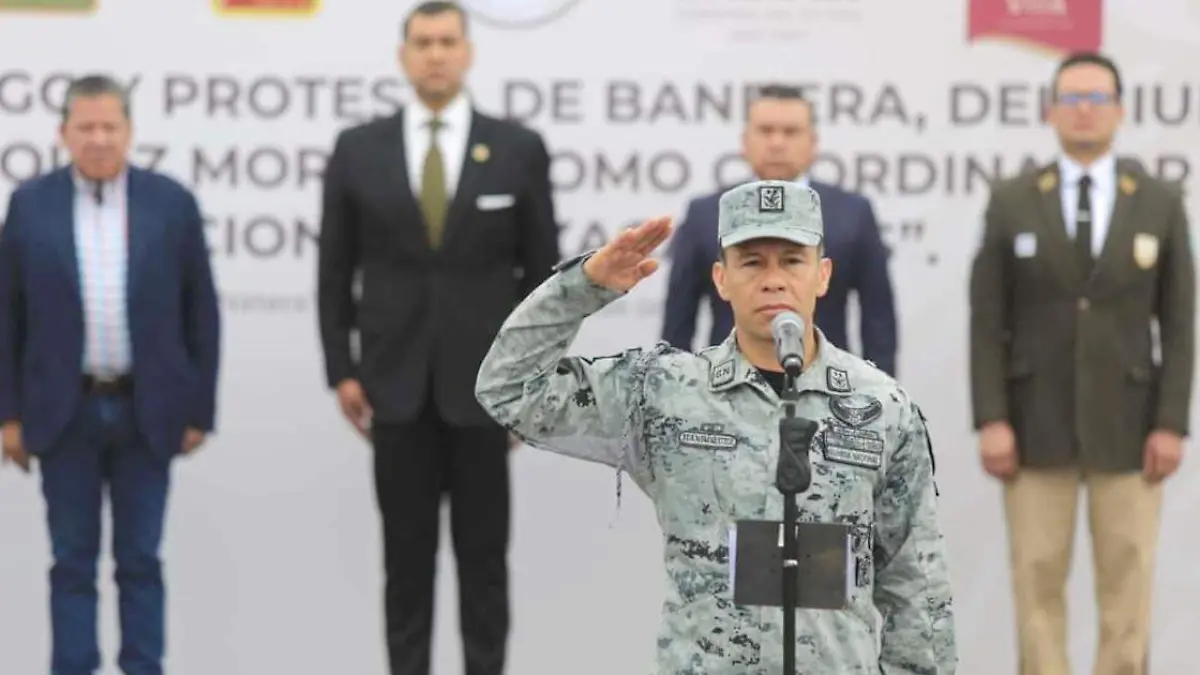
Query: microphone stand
{"x":793,"y":476}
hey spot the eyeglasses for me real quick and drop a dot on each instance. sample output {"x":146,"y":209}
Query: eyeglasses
{"x":1091,"y":97}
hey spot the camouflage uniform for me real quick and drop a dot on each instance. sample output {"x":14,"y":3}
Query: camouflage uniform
{"x":699,"y":435}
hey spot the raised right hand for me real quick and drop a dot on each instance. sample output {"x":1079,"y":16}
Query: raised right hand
{"x":998,"y":450}
{"x":621,"y":263}
{"x":353,"y":402}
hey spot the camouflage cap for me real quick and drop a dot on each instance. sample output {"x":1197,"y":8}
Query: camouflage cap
{"x":770,"y":209}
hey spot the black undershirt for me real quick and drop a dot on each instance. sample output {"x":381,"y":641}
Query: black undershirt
{"x":773,"y":378}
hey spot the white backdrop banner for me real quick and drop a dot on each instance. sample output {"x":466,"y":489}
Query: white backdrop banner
{"x":273,"y":551}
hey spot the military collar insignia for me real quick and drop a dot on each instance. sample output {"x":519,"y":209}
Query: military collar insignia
{"x":856,"y":410}
{"x":837,"y":380}
{"x":755,"y":376}
{"x":722,"y":374}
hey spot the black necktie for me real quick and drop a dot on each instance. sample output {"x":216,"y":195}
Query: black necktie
{"x":1083,"y":225}
{"x":98,"y":192}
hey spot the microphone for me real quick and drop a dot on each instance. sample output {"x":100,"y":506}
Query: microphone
{"x":788,"y":331}
{"x":793,"y":473}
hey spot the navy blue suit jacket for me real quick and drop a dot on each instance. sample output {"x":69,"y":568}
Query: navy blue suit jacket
{"x":172,"y":310}
{"x":860,"y":263}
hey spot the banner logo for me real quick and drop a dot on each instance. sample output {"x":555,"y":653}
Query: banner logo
{"x":1057,"y":26}
{"x":49,"y":5}
{"x":270,"y":8}
{"x":517,"y":13}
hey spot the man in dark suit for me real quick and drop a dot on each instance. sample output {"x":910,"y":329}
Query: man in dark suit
{"x":780,"y":143}
{"x":447,"y":214}
{"x":109,"y":347}
{"x":1081,"y":263}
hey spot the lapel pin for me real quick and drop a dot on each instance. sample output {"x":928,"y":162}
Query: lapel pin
{"x":480,"y":153}
{"x":1047,"y":181}
{"x":1128,"y":184}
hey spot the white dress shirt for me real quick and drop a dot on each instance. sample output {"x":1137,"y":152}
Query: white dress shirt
{"x":101,"y":247}
{"x":452,"y":140}
{"x":1103,"y":195}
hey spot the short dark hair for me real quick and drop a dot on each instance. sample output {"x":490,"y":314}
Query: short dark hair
{"x":784,"y":92}
{"x":1085,"y":58}
{"x":433,"y":8}
{"x":91,"y":86}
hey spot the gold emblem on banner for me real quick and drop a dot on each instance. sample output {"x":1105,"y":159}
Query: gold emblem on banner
{"x":1128,"y":184}
{"x":1047,"y":181}
{"x":480,"y":153}
{"x":266,"y":8}
{"x":55,"y":6}
{"x":1145,"y":250}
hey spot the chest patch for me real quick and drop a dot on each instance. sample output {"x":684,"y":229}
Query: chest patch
{"x":856,"y":410}
{"x":708,"y":436}
{"x":856,"y":447}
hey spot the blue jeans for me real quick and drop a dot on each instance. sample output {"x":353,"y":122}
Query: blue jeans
{"x":103,"y":446}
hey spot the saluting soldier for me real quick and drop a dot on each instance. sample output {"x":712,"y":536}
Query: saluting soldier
{"x":699,"y":435}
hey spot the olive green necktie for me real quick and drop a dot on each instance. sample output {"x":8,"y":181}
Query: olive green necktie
{"x":433,"y":187}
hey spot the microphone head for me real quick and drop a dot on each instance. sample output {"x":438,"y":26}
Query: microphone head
{"x":785,"y":321}
{"x":788,"y":330}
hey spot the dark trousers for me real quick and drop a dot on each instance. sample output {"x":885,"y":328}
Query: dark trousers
{"x":103,"y":447}
{"x":415,"y":464}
